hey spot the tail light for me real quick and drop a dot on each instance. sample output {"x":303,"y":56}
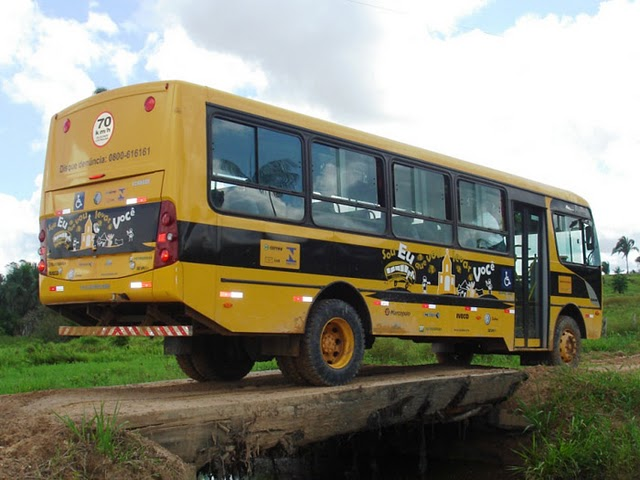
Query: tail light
{"x":42,"y":251}
{"x":167,"y":238}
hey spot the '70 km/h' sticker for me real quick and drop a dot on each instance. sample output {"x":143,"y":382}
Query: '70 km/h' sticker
{"x":103,"y":129}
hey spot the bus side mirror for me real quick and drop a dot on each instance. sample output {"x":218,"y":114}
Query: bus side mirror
{"x":589,"y":240}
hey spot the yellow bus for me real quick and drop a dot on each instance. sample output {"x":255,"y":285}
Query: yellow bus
{"x":241,"y":232}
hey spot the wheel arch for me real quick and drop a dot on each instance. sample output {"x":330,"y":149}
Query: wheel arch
{"x":349,"y":294}
{"x":572,"y":310}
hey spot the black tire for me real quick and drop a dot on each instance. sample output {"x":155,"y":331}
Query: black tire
{"x":332,"y":348}
{"x":221,"y":358}
{"x":185,"y":362}
{"x":567,"y":343}
{"x":459,"y":359}
{"x":289,"y":368}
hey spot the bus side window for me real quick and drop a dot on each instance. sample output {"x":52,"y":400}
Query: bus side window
{"x":233,"y":147}
{"x":481,"y":217}
{"x":256,"y":171}
{"x":347,"y":188}
{"x":422,"y":204}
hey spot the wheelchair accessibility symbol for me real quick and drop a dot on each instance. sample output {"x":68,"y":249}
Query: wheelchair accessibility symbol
{"x":507,"y":281}
{"x":78,"y":201}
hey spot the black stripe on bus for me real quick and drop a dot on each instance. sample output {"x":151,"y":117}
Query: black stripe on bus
{"x":399,"y":296}
{"x":234,"y":247}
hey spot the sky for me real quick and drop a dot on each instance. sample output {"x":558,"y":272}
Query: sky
{"x":545,"y":89}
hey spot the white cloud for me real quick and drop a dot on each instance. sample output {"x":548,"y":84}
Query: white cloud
{"x":52,"y":59}
{"x":175,"y":55}
{"x":15,"y":25}
{"x":19,"y":240}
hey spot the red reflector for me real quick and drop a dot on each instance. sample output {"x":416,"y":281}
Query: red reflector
{"x":162,"y":237}
{"x":166,"y":219}
{"x":149,"y":104}
{"x":66,"y":126}
{"x":164,"y":255}
{"x":96,"y":177}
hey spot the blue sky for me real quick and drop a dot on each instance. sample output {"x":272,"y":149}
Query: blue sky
{"x":544,"y":89}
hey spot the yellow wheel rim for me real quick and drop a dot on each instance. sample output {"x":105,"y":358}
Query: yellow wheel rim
{"x":568,"y":346}
{"x":337,"y":343}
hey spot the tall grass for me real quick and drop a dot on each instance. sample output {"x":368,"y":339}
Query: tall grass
{"x":101,"y":430}
{"x":27,"y":364}
{"x":586,"y":427}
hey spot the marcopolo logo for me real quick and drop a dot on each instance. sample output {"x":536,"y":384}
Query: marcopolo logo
{"x":395,"y":313}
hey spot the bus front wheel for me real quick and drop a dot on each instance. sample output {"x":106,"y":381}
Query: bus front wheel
{"x":289,"y":368}
{"x":567,"y":343}
{"x":332,"y":348}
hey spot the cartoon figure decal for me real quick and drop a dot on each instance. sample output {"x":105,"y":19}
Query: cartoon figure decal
{"x":123,"y":229}
{"x":449,"y":274}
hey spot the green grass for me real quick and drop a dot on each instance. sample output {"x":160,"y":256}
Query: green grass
{"x":27,"y":364}
{"x":101,"y":430}
{"x":587,"y":423}
{"x":586,"y":427}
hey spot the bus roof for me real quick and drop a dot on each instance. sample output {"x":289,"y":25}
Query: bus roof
{"x":306,"y":122}
{"x":381,"y":143}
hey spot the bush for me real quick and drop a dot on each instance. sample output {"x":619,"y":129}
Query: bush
{"x":620,"y":282}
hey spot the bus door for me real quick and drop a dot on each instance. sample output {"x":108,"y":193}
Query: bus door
{"x":531,"y":276}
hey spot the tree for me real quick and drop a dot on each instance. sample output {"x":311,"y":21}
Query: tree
{"x":18,"y":295}
{"x":624,"y":247}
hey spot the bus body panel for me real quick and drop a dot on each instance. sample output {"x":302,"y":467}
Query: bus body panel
{"x":111,"y":163}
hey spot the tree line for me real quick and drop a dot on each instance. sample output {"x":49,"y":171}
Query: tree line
{"x":21,"y":312}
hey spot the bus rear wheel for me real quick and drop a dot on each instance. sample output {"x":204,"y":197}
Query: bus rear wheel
{"x":221,"y":358}
{"x":332,"y":348}
{"x":185,"y":362}
{"x":567,"y":343}
{"x":459,"y":359}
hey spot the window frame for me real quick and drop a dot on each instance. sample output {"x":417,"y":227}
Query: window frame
{"x":341,"y":212}
{"x":474,"y":236}
{"x":248,"y":187}
{"x":412,"y":231}
{"x":586,"y":253}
